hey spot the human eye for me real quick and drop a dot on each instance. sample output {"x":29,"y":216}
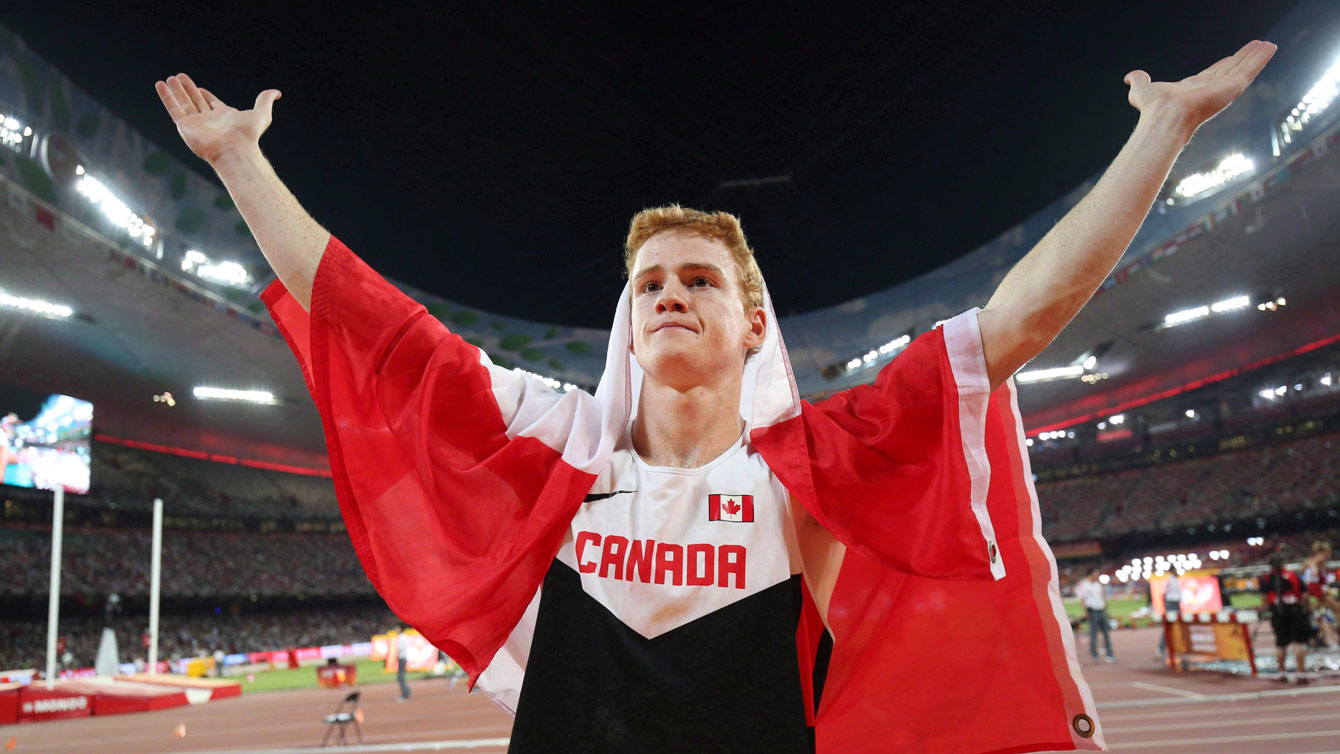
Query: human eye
{"x":651,"y":286}
{"x":702,"y":282}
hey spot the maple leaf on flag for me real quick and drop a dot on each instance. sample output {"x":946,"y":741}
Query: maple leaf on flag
{"x":730,"y":506}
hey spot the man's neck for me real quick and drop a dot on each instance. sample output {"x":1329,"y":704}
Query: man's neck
{"x":686,"y":429}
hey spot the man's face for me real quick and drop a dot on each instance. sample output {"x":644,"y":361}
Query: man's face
{"x":689,"y":325}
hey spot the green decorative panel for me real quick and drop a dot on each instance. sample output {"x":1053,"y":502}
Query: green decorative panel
{"x":223,"y":202}
{"x":515,"y":342}
{"x":36,"y":179}
{"x":60,"y":105}
{"x":465,"y":316}
{"x":438,"y":310}
{"x":190,"y":220}
{"x":177,"y":186}
{"x":532,"y":354}
{"x":581,"y":348}
{"x":499,"y":326}
{"x":241,"y":228}
{"x":157,"y":163}
{"x":32,"y":85}
{"x":551,"y":333}
{"x":556,"y":365}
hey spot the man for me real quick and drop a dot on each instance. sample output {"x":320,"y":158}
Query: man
{"x":1094,"y":598}
{"x":694,"y":558}
{"x":1317,"y":578}
{"x":402,"y":660}
{"x":1285,"y":597}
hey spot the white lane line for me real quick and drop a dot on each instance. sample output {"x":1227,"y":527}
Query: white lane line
{"x":1238,"y":697}
{"x":1226,"y":709}
{"x":1217,"y":723}
{"x":1221,"y":740}
{"x":420,"y":746}
{"x":1167,"y":690}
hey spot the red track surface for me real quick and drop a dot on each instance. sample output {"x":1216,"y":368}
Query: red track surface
{"x":1142,"y":707}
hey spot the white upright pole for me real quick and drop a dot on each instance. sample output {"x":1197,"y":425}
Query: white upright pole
{"x":53,"y":604}
{"x":154,"y":573}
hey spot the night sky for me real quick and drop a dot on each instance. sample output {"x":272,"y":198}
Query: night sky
{"x":493,"y":153}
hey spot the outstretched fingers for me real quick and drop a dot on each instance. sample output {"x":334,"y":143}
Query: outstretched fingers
{"x":169,"y":100}
{"x":193,"y":92}
{"x":179,"y":93}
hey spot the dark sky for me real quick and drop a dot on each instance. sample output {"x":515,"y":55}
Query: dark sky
{"x":494,"y":152}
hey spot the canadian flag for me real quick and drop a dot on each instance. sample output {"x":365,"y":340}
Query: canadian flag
{"x":737,"y":508}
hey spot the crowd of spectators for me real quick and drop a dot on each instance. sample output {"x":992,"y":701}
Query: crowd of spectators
{"x":194,"y":564}
{"x":131,"y":478}
{"x":1229,"y":487}
{"x":23,"y":644}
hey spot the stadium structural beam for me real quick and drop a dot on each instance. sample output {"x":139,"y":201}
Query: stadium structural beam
{"x":155,"y":572}
{"x":53,"y":601}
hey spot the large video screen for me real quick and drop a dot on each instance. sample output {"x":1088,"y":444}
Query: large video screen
{"x":44,"y":440}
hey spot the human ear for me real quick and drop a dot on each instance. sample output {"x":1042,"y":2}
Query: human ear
{"x":757,"y":321}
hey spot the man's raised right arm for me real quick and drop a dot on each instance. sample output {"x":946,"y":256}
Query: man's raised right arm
{"x":229,"y":140}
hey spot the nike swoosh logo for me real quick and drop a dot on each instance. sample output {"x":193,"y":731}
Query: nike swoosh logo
{"x":604,"y":495}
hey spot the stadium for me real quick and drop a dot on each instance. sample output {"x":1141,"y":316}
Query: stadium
{"x":165,"y":467}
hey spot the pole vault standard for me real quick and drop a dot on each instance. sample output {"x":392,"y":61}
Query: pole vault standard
{"x":53,"y":603}
{"x":154,"y":573}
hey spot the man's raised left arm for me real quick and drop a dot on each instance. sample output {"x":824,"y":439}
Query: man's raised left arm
{"x":1045,"y":290}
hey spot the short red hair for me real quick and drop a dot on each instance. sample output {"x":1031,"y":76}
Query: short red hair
{"x":718,"y":226}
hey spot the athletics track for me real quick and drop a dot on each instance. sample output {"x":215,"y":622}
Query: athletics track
{"x":1143,"y":708}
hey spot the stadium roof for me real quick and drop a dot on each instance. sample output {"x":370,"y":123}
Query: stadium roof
{"x":1269,"y":234}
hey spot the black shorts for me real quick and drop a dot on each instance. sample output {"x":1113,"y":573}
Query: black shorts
{"x":1291,"y":625}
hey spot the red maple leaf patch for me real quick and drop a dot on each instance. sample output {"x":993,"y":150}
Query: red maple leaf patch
{"x":731,"y":507}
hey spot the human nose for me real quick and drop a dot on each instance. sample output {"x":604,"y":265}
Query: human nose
{"x":671,"y":299}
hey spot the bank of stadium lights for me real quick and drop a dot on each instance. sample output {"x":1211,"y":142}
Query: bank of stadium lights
{"x":166,"y":399}
{"x":1219,"y":555}
{"x":263,"y":397}
{"x":35,"y":306}
{"x":559,"y":385}
{"x":114,"y":209}
{"x":1325,"y":379}
{"x":1047,"y":375}
{"x":1256,"y":541}
{"x":13,"y":132}
{"x":1184,"y":316}
{"x":1317,"y":99}
{"x":1271,"y":393}
{"x":871,"y":356}
{"x":1270,"y":306}
{"x":226,"y":273}
{"x":1160,"y":565}
{"x":1229,"y":169}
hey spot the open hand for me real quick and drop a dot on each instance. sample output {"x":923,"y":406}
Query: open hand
{"x":1200,"y":97}
{"x":208,"y":126}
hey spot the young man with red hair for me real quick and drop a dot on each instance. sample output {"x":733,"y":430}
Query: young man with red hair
{"x":694,"y":558}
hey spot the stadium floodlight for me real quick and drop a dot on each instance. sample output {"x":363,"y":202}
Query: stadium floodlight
{"x":35,"y":306}
{"x":1237,"y":302}
{"x":227,"y":273}
{"x":1047,"y":375}
{"x":1191,"y":413}
{"x":1186,"y":315}
{"x":263,"y":397}
{"x":1090,"y":362}
{"x":1198,"y":185}
{"x":13,"y":132}
{"x":116,"y":210}
{"x":1104,"y":578}
{"x":1325,"y":379}
{"x":1317,"y":99}
{"x":1029,"y":442}
{"x":1116,"y":419}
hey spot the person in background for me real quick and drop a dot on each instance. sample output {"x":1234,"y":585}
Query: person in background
{"x":1172,"y":605}
{"x":1288,"y":617}
{"x":402,"y":659}
{"x":1315,"y":578}
{"x":1093,"y":595}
